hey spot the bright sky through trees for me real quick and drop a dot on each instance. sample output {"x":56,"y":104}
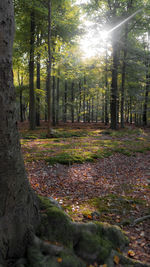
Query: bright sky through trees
{"x":93,"y":43}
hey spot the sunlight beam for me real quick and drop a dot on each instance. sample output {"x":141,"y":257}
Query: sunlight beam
{"x":124,"y":21}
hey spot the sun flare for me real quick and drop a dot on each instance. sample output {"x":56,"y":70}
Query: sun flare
{"x":93,"y":42}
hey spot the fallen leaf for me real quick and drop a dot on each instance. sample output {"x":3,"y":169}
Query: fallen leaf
{"x":116,"y":259}
{"x":59,"y":259}
{"x":131,"y":253}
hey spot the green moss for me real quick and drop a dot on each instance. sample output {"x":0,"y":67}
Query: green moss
{"x":123,"y":151}
{"x":115,"y":235}
{"x":71,"y":260}
{"x":55,"y":224}
{"x":69,"y":133}
{"x":93,"y":248}
{"x":90,"y":242}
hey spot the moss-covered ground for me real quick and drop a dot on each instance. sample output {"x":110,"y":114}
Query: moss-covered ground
{"x":76,"y":145}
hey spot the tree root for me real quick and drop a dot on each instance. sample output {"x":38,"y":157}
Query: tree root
{"x":141,"y":219}
{"x":47,"y":248}
{"x":60,"y":242}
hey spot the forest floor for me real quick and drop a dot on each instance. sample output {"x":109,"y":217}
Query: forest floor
{"x":96,"y":174}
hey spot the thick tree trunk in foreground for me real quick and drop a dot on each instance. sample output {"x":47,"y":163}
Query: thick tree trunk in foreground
{"x":18,"y":211}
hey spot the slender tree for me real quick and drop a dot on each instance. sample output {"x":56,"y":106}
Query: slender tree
{"x":49,"y":69}
{"x":114,"y":85}
{"x":31,"y":71}
{"x":38,"y":83}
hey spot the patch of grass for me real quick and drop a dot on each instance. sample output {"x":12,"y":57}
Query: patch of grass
{"x":29,"y":136}
{"x":123,"y":132}
{"x":116,"y":204}
{"x":122,"y":150}
{"x":69,"y":133}
{"x":100,"y":154}
{"x":65,"y":158}
{"x":77,"y":156}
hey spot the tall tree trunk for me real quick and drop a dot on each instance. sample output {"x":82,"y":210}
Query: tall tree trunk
{"x":147,"y":86}
{"x":38,"y":83}
{"x":131,"y":110}
{"x":65,"y":102}
{"x":46,"y":95}
{"x":106,"y":89}
{"x":88,"y":110}
{"x":31,"y":72}
{"x":49,"y":71}
{"x":20,"y":83}
{"x":92,"y":115}
{"x":84,"y":112}
{"x":18,"y":211}
{"x":123,"y":75}
{"x":72,"y":102}
{"x":114,"y":86}
{"x":79,"y":110}
{"x":103,"y":108}
{"x":57,"y":98}
{"x":97,"y":104}
{"x":53,"y":103}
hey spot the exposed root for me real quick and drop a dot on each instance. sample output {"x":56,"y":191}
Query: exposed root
{"x":141,"y":219}
{"x":47,"y":248}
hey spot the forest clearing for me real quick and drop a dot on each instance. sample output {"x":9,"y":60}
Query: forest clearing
{"x":96,"y":174}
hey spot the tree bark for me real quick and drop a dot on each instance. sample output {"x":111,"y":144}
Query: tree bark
{"x":79,"y":110}
{"x":123,"y":75}
{"x":49,"y":70}
{"x":18,"y":211}
{"x":38,"y":82}
{"x":57,"y":99}
{"x":31,"y":72}
{"x":146,"y":88}
{"x":65,"y":102}
{"x":92,"y":115}
{"x":106,"y":89}
{"x":84,"y":90}
{"x":20,"y":83}
{"x":114,"y":86}
{"x":72,"y":102}
{"x":53,"y":103}
{"x":103,"y":108}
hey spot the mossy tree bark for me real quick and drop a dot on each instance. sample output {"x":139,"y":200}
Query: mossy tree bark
{"x":18,"y":210}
